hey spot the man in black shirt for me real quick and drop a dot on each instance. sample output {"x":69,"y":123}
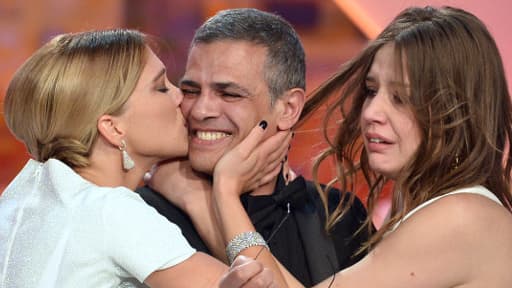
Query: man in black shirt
{"x":245,"y":65}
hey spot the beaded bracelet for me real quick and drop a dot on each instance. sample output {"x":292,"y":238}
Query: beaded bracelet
{"x":243,"y":241}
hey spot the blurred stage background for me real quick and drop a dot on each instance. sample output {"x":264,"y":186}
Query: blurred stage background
{"x":332,"y":31}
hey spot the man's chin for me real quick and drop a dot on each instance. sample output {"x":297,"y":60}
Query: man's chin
{"x":202,"y":164}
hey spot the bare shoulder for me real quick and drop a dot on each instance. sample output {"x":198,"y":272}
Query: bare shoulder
{"x":466,"y":214}
{"x":465,"y":226}
{"x":461,"y":240}
{"x":467,"y":218}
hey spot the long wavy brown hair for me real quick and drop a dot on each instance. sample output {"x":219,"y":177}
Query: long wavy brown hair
{"x":459,"y":96}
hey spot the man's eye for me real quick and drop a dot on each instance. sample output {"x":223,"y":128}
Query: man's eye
{"x":234,"y":95}
{"x":190,"y":92}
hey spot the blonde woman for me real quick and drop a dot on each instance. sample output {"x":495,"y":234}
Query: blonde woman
{"x":96,"y":111}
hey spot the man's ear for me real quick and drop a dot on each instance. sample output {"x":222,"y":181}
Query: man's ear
{"x":109,"y":128}
{"x":291,"y":104}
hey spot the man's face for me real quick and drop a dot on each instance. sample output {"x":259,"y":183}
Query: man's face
{"x":225,"y":96}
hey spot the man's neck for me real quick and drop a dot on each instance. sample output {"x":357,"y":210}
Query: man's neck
{"x":267,"y":189}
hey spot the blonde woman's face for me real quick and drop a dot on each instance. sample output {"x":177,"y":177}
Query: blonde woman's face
{"x":390,"y":132}
{"x":155,"y":127}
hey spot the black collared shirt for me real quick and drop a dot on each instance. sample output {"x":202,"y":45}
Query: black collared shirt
{"x":300,"y":244}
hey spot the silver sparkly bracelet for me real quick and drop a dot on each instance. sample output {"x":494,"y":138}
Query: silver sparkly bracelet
{"x":243,"y":241}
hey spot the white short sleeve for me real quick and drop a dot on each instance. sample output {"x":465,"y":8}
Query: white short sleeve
{"x":139,"y":239}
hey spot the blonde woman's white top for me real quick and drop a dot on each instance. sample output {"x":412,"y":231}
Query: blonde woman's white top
{"x":59,"y":230}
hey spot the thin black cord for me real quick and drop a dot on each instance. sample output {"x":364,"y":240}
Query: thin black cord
{"x":333,"y":271}
{"x":275,"y":230}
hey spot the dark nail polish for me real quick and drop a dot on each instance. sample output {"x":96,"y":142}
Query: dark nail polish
{"x":263,"y":124}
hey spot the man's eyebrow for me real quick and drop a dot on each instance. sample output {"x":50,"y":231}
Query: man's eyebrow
{"x":189,"y":83}
{"x":217,"y":86}
{"x":159,"y":75}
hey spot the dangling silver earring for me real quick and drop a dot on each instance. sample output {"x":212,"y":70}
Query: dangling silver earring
{"x":127,"y":160}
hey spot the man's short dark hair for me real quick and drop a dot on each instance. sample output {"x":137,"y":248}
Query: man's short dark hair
{"x":285,"y":66}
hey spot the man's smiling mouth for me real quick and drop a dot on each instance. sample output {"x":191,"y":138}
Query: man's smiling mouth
{"x":210,"y":135}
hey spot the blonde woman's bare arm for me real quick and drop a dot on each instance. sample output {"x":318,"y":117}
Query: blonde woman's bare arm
{"x":201,"y":270}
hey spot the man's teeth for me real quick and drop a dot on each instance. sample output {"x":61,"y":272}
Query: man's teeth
{"x":376,"y":140}
{"x":204,"y":135}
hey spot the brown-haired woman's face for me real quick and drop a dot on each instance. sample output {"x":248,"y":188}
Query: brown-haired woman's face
{"x":154,"y":123}
{"x":390,"y":132}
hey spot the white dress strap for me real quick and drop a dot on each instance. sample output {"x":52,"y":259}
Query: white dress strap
{"x":480,"y":190}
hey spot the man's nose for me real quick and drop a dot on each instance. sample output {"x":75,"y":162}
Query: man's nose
{"x":206,"y":106}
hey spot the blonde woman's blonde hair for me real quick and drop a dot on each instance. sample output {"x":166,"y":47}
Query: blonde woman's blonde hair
{"x":56,"y":97}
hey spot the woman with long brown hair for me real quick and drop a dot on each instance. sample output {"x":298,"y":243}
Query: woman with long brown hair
{"x":426,"y":106}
